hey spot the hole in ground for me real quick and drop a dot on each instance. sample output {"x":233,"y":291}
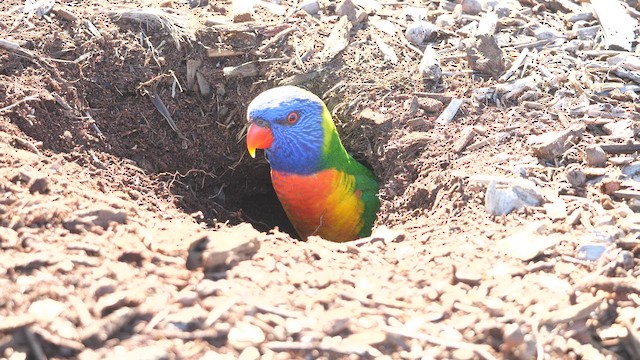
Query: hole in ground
{"x":245,"y":194}
{"x":265,"y":212}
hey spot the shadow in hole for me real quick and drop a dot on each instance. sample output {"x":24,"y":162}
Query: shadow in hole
{"x":265,"y":212}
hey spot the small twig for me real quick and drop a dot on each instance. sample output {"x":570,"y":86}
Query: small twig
{"x":376,"y":303}
{"x":280,"y":346}
{"x":36,"y":348}
{"x":278,"y":311}
{"x":628,"y":148}
{"x":277,"y":37}
{"x":516,"y":64}
{"x":626,"y":285}
{"x":218,"y":311}
{"x":162,"y":109}
{"x":532,"y":44}
{"x":570,"y":313}
{"x":208,"y":334}
{"x":28,"y":98}
{"x":28,"y":145}
{"x":57,"y":340}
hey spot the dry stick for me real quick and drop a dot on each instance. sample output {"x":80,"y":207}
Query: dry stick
{"x":449,"y":112}
{"x":633,"y":337}
{"x":277,"y":37}
{"x":530,"y":44}
{"x":218,"y":311}
{"x":627,"y":194}
{"x":628,"y":285}
{"x":57,"y":340}
{"x":516,"y":64}
{"x":210,"y":334}
{"x":629,"y":148}
{"x":278,"y":311}
{"x":28,"y":98}
{"x":570,"y":313}
{"x":162,"y":109}
{"x":440,"y":342}
{"x":34,"y":344}
{"x":626,"y":74}
{"x":31,"y":147}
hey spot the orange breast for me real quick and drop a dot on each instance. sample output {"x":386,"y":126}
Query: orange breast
{"x":324,"y":204}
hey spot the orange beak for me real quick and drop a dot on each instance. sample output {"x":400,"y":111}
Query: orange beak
{"x":258,"y":137}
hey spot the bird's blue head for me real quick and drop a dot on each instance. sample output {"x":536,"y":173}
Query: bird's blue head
{"x":287,"y":122}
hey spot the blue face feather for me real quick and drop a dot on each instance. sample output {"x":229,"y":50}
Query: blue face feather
{"x":296,"y":146}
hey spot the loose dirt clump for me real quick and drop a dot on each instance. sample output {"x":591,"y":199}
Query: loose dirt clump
{"x":504,"y":135}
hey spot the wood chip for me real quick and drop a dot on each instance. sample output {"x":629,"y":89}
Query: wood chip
{"x":219,"y":248}
{"x":617,"y":24}
{"x":14,"y":322}
{"x":552,"y":144}
{"x":571,"y":313}
{"x":242,"y":11}
{"x":466,"y":136}
{"x":449,"y":112}
{"x":337,"y":40}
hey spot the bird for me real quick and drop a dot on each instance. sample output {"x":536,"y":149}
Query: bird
{"x":324,"y":191}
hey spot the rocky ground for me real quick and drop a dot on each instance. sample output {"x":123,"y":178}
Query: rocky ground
{"x":504,"y":134}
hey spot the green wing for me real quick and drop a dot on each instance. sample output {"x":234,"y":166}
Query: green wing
{"x":335,"y":156}
{"x":367,"y":184}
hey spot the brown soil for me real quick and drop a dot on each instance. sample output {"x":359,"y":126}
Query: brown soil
{"x":100,"y":200}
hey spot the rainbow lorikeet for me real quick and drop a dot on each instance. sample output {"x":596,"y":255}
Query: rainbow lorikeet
{"x":323,"y":190}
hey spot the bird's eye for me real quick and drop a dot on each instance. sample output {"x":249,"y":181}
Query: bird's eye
{"x":292,"y":118}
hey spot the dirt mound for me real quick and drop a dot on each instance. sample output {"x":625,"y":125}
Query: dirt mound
{"x":132,"y":223}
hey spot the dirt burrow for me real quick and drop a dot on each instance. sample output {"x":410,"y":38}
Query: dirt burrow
{"x":101,"y":200}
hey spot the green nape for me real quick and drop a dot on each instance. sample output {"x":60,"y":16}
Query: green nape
{"x":335,"y":156}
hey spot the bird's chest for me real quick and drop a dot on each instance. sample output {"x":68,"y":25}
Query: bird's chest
{"x":325,"y":203}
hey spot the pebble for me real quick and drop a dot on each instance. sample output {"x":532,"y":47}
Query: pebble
{"x":608,"y":233}
{"x":495,"y":306}
{"x":208,"y":287}
{"x":626,"y":259}
{"x":143,"y":353}
{"x":631,"y":169}
{"x":366,"y":338}
{"x":310,"y":6}
{"x":502,"y":10}
{"x":576,"y":177}
{"x":471,"y":7}
{"x":46,"y":309}
{"x":187,"y":298}
{"x":500,"y":201}
{"x":526,"y":245}
{"x":293,"y":326}
{"x":250,"y":353}
{"x":556,"y":210}
{"x":65,"y":266}
{"x":445,"y":21}
{"x":8,"y":237}
{"x":605,"y":220}
{"x":590,"y":252}
{"x":621,"y":160}
{"x":595,"y":156}
{"x":512,"y":335}
{"x":420,"y":32}
{"x":186,"y":319}
{"x":39,"y":185}
{"x":243,"y":335}
{"x":463,"y":354}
